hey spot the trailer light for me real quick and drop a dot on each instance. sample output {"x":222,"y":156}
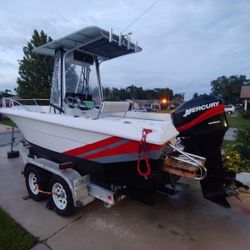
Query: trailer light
{"x":110,"y":197}
{"x":66,"y":165}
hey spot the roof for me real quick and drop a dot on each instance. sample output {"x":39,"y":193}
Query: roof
{"x":245,"y":92}
{"x":93,"y":40}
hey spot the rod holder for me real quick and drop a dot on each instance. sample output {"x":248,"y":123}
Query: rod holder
{"x":128,"y":43}
{"x":111,"y":35}
{"x":120,"y":39}
{"x":136,"y":46}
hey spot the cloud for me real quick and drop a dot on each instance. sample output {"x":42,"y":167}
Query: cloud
{"x":4,"y":64}
{"x":186,"y":44}
{"x":11,"y":86}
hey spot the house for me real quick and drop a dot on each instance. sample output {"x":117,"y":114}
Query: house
{"x":245,"y":95}
{"x":148,"y":105}
{"x":173,"y":104}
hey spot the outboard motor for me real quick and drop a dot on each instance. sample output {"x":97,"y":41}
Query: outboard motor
{"x":202,"y":124}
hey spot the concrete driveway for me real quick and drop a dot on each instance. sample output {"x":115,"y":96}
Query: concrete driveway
{"x":6,"y":134}
{"x":183,"y":221}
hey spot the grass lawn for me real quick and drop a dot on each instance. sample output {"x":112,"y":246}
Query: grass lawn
{"x":165,"y":111}
{"x":238,"y":122}
{"x":13,"y":236}
{"x":227,"y":143}
{"x":8,"y":122}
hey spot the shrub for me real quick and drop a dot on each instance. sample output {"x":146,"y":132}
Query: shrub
{"x":234,"y":160}
{"x":243,"y":142}
{"x":238,"y":154}
{"x":246,"y":115}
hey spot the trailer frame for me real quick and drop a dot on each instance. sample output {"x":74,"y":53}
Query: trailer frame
{"x":82,"y":189}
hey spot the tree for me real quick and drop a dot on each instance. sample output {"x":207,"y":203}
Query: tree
{"x":35,"y":71}
{"x":196,"y":95}
{"x":6,"y":93}
{"x":164,"y":93}
{"x":229,"y":88}
{"x":179,"y":96}
{"x":133,"y":92}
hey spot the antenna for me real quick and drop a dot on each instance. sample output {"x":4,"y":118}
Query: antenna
{"x":143,"y":13}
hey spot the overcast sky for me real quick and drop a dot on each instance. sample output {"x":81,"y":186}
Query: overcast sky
{"x":186,"y":44}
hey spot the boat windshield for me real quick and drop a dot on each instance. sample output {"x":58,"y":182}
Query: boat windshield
{"x":80,"y":80}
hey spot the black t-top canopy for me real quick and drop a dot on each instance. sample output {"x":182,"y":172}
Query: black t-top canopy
{"x":99,"y":42}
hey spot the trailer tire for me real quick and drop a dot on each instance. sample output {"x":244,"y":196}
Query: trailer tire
{"x":62,"y":204}
{"x":35,"y":176}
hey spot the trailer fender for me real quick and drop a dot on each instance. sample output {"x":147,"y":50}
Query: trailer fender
{"x":77,"y":184}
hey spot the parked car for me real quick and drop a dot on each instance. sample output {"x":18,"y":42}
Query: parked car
{"x":171,"y":107}
{"x":239,"y":107}
{"x":229,"y":109}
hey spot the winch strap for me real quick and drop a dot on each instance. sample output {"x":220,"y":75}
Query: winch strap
{"x":143,"y":147}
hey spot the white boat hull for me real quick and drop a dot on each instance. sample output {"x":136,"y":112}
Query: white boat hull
{"x":106,"y":140}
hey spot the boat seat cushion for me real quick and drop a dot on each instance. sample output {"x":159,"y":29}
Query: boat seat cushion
{"x":114,"y":107}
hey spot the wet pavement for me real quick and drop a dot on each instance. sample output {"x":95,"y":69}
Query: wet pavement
{"x":184,"y":221}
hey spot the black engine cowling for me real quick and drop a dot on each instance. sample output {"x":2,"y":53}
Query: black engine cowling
{"x":199,"y":116}
{"x":202,"y":124}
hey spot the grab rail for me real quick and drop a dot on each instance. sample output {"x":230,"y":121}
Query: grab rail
{"x":8,"y":102}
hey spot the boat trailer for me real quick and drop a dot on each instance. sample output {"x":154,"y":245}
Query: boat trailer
{"x":67,"y":189}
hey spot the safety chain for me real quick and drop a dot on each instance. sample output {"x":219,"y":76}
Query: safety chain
{"x":143,"y":148}
{"x":45,"y":192}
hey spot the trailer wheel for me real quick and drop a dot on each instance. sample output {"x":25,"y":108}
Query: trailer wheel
{"x":61,"y":198}
{"x":34,"y":178}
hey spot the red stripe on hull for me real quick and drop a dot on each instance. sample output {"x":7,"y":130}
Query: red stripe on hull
{"x":92,"y":146}
{"x":126,"y":148}
{"x":129,"y":147}
{"x":206,"y":115}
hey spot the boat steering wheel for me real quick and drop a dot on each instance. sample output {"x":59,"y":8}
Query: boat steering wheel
{"x":75,"y":102}
{"x":72,"y":101}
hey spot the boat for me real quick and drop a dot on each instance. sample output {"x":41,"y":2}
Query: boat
{"x":116,"y":146}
